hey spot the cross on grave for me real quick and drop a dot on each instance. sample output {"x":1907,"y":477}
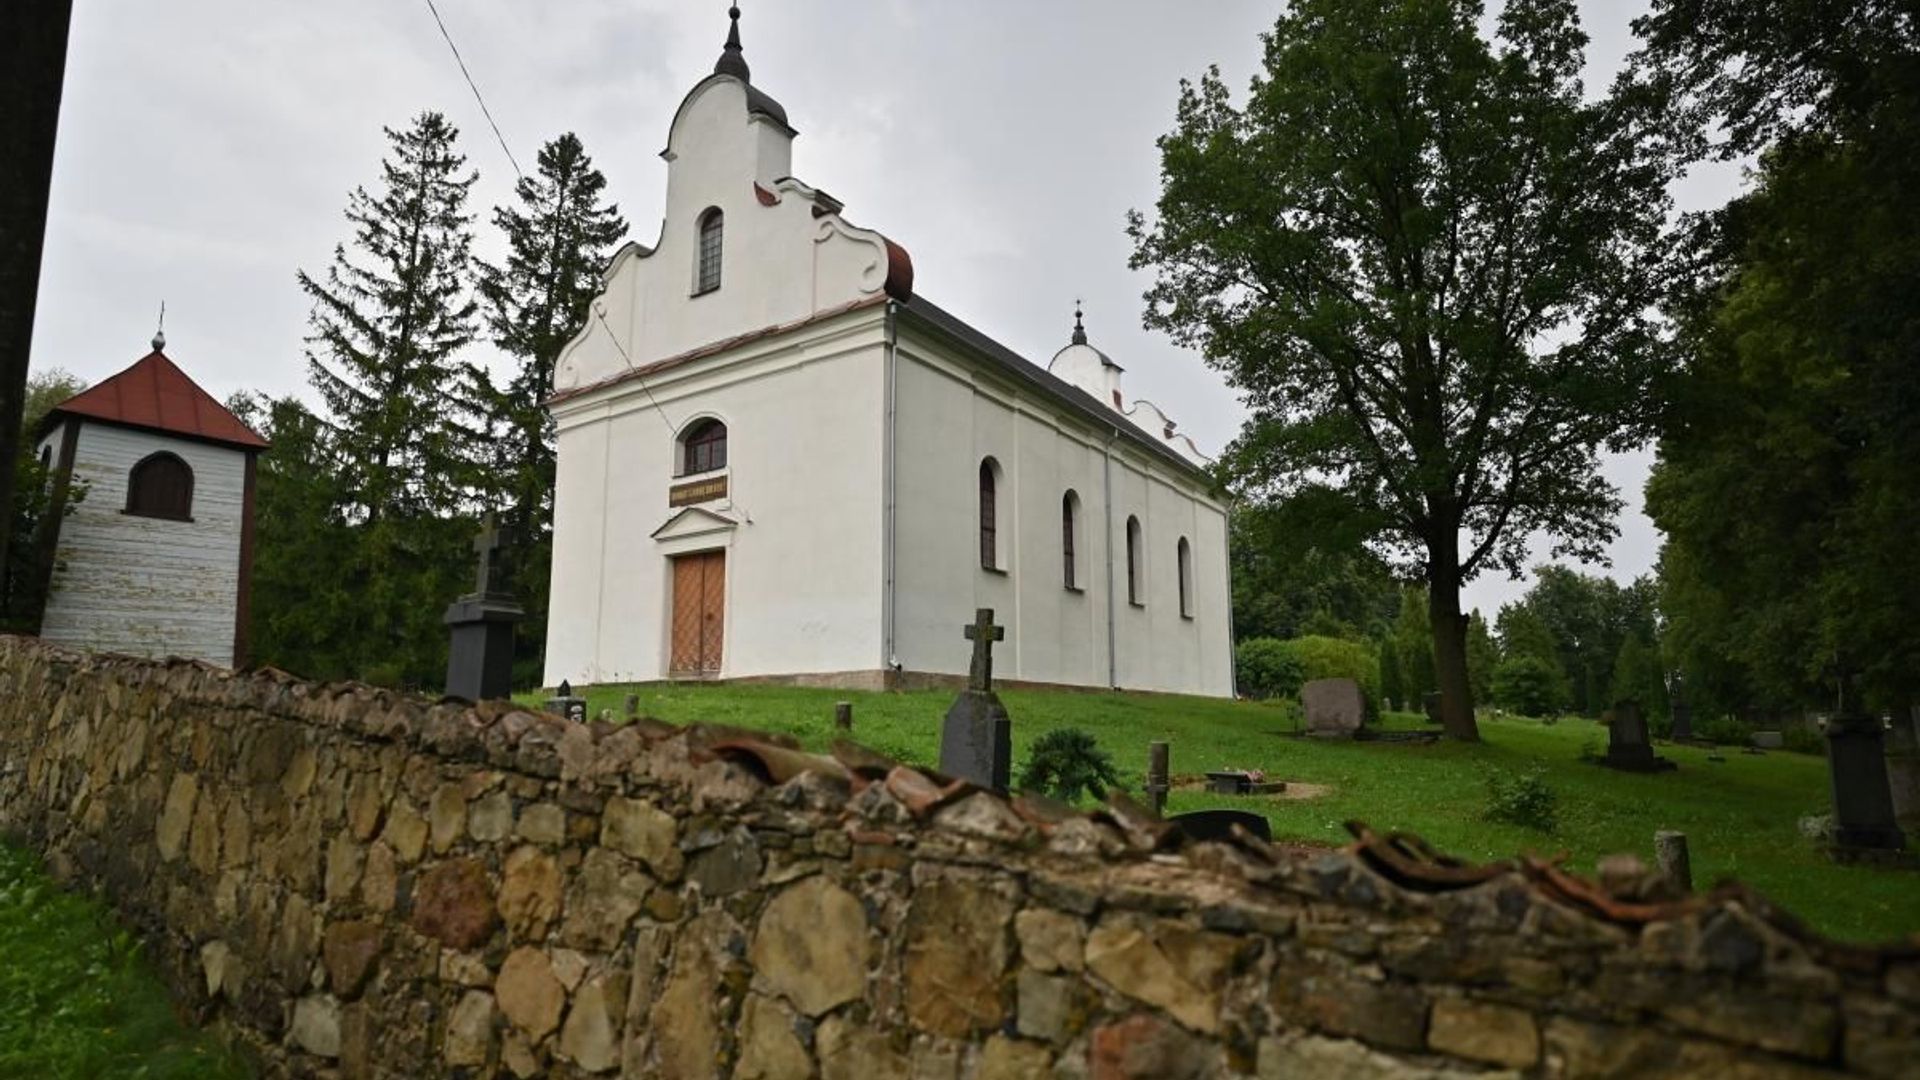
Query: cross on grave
{"x":983,"y":634}
{"x":976,"y":738}
{"x":489,"y":546}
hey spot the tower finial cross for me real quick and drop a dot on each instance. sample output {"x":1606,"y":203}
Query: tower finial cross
{"x":983,"y":634}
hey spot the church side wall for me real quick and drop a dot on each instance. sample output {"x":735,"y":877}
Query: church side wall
{"x":951,"y":416}
{"x":800,"y":524}
{"x":146,"y":586}
{"x":365,"y":885}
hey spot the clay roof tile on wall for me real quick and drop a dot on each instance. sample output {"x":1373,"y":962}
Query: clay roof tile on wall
{"x":156,"y":395}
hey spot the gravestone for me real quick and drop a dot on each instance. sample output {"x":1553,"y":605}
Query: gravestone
{"x":1335,"y":708}
{"x":1430,"y":703}
{"x":1680,"y":708}
{"x":1903,"y":768}
{"x":976,"y":739}
{"x":1863,"y":820}
{"x":1628,"y":747}
{"x":1769,"y":740}
{"x":480,"y":659}
{"x":566,"y":704}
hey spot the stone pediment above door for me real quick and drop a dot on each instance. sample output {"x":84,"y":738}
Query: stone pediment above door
{"x":694,"y":522}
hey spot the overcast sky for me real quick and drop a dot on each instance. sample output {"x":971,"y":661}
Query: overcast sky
{"x":207,"y":147}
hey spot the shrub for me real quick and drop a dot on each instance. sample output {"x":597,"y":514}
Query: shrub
{"x":1530,"y":686}
{"x":1265,"y":667}
{"x":1804,"y":739}
{"x":1525,"y":800}
{"x":1335,"y":658}
{"x":1066,"y":763}
{"x":1723,"y":730}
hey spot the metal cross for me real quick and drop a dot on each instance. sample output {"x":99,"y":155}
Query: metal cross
{"x":983,"y":634}
{"x":489,"y":545}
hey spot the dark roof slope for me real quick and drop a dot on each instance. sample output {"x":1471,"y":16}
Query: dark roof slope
{"x":155,"y":395}
{"x":1089,"y":407}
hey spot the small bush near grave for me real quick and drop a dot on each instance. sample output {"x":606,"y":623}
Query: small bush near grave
{"x":1524,"y":799}
{"x":1723,"y":731}
{"x":77,"y":998}
{"x":1067,"y":763}
{"x":1529,"y":685}
{"x":1265,"y":668}
{"x":1803,"y":740}
{"x":1337,"y":658}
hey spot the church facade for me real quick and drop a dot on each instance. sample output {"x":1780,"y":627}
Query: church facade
{"x":777,"y":460}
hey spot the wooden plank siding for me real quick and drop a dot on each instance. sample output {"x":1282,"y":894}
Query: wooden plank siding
{"x":148,"y":586}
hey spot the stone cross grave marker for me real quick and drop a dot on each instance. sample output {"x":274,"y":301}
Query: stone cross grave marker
{"x":480,"y":657}
{"x":976,"y":739}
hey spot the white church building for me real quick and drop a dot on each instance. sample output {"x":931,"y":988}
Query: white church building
{"x":778,"y":461}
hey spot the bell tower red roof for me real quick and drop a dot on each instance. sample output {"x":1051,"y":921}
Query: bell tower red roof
{"x":156,"y":395}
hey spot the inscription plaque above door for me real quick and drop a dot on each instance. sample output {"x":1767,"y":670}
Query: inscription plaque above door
{"x":697,"y":491}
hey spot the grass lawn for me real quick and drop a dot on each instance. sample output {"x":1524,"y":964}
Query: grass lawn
{"x":1740,"y":816}
{"x":77,"y":999}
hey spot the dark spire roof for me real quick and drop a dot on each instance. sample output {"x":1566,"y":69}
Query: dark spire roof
{"x":732,"y":61}
{"x":1079,"y":331}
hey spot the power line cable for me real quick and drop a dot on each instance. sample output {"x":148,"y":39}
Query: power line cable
{"x":600,"y":315}
{"x":484,"y":111}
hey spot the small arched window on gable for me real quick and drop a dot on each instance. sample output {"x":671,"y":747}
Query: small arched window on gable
{"x":161,"y":486}
{"x":1185,"y":565}
{"x":707,"y":272}
{"x":703,"y":448}
{"x":1069,"y":524}
{"x":1136,"y":576}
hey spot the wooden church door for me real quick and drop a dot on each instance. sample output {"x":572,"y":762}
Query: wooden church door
{"x":699,"y":588}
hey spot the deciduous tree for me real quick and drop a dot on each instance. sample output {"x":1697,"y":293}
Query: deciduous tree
{"x":1428,"y":260}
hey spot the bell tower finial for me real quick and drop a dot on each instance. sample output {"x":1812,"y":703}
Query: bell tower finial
{"x":732,"y":60}
{"x":160,"y":331}
{"x":1079,"y":330}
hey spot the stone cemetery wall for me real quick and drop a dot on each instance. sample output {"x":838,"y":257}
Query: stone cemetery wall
{"x":364,"y":885}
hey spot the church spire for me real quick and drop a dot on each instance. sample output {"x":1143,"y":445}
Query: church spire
{"x":732,"y":61}
{"x":1079,"y":331}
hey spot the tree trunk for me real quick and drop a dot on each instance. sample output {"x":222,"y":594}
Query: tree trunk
{"x":32,"y":72}
{"x":1450,"y":638}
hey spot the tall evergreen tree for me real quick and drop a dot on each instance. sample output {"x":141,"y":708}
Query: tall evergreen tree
{"x":389,"y":322}
{"x":1430,"y":261}
{"x":558,"y":237}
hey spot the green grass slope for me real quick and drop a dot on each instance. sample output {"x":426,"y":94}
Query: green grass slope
{"x":1740,"y":815}
{"x":77,"y":999}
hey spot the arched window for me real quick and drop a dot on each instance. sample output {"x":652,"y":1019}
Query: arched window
{"x":703,"y":448}
{"x":1136,"y":577}
{"x":707,"y":278}
{"x":1069,"y":519}
{"x":1185,"y":565}
{"x":989,"y":515}
{"x":161,"y":486}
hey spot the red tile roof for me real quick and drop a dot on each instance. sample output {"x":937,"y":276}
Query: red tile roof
{"x":156,"y":395}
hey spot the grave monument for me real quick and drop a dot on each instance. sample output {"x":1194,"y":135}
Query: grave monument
{"x":976,"y":739}
{"x":1628,"y":747}
{"x":1864,"y":826}
{"x":1335,"y":708}
{"x":480,"y":661}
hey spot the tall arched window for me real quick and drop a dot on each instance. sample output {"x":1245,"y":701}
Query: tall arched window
{"x":161,"y":486}
{"x":703,"y":448}
{"x":707,"y":278}
{"x":1136,"y":578}
{"x":1069,"y":520}
{"x":1185,"y":565}
{"x":989,"y":515}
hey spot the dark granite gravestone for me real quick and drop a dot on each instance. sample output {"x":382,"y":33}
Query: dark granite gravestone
{"x":1903,"y":768}
{"x":976,"y":739}
{"x":1628,"y":748}
{"x":480,"y":661}
{"x":1863,"y":820}
{"x":1681,"y":708}
{"x":1430,"y":702}
{"x":1218,"y":824}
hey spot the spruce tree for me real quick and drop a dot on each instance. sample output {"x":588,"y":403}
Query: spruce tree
{"x":389,"y":322}
{"x":558,"y":237}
